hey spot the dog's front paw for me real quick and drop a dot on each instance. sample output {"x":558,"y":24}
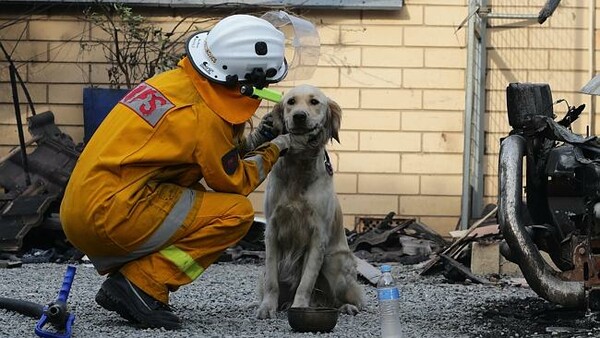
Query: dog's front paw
{"x":266,"y":310}
{"x":349,"y":309}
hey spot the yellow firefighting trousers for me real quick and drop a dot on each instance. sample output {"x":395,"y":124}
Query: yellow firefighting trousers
{"x":214,"y":222}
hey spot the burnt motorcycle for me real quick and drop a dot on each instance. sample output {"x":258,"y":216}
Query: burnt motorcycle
{"x":560,"y":214}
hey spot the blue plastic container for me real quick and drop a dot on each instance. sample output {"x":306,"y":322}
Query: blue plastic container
{"x":97,"y":103}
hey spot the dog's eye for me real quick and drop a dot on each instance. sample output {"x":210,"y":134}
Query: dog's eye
{"x":291,"y":101}
{"x":314,"y":102}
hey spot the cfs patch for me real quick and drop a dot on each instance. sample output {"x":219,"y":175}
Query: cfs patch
{"x":230,"y":161}
{"x":148,"y":103}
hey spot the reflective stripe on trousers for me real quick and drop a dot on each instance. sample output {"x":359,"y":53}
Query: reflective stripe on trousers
{"x":217,"y":221}
{"x":158,"y":239}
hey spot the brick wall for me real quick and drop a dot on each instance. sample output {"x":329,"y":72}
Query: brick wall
{"x":399,"y":77}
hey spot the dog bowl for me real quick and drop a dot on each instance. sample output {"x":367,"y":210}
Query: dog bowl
{"x":312,"y":319}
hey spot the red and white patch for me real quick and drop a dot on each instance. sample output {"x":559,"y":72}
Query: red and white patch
{"x":148,"y":103}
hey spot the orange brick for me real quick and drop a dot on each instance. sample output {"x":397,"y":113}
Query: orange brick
{"x":430,"y":205}
{"x":324,"y":77}
{"x":441,"y":225}
{"x":370,"y":120}
{"x":66,"y":93}
{"x":25,"y":51}
{"x":14,"y":31}
{"x":56,"y":30}
{"x":371,"y":35}
{"x":345,"y":183}
{"x":408,"y":15}
{"x":560,"y":80}
{"x":513,"y":59}
{"x":568,"y":60}
{"x":391,"y":99}
{"x":445,"y":15}
{"x":510,"y":38}
{"x":431,"y":164}
{"x":64,"y":114}
{"x":368,"y":204}
{"x":428,"y":36}
{"x":257,"y":200}
{"x":434,"y":78}
{"x":438,"y":2}
{"x":340,"y":56}
{"x":443,"y":99}
{"x":390,"y":141}
{"x":329,"y":34}
{"x":443,"y":142}
{"x":348,"y":221}
{"x":441,"y":185}
{"x":36,"y":91}
{"x":348,"y":142}
{"x":335,"y":17}
{"x":55,"y":73}
{"x":392,"y":56}
{"x":369,"y":162}
{"x":431,"y":121}
{"x":75,"y":52}
{"x":9,"y":134}
{"x":363,"y":77}
{"x":388,"y":184}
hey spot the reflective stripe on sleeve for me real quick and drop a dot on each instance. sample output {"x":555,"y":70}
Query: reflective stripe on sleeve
{"x":168,"y":227}
{"x":184,"y":262}
{"x":259,"y":164}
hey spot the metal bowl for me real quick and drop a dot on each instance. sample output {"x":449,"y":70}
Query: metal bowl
{"x":312,"y":319}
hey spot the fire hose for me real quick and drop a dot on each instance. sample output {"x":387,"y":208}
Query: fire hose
{"x":54,"y":319}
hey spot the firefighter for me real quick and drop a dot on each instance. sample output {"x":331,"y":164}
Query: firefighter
{"x":135,"y":203}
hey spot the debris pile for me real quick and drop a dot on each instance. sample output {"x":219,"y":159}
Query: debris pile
{"x":31,"y":188}
{"x":454,"y":261}
{"x":393,"y":239}
{"x":373,"y":239}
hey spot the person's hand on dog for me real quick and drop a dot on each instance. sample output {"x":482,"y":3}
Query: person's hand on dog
{"x":265,"y":132}
{"x":287,"y":142}
{"x":266,"y":129}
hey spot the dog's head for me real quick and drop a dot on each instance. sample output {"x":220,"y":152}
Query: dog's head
{"x":306,"y":110}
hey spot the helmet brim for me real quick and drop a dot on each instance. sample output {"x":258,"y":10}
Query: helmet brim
{"x":199,"y":58}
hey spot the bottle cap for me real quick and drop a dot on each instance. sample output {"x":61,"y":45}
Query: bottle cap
{"x":386,"y":268}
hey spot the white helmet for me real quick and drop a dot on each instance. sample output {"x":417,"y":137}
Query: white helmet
{"x":239,"y":49}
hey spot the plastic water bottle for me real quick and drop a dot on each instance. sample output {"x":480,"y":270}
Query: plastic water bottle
{"x":388,"y":295}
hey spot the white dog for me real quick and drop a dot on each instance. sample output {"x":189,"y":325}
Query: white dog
{"x":308,"y":262}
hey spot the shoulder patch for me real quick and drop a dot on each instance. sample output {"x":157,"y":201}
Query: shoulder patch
{"x":148,"y":103}
{"x":230,"y":161}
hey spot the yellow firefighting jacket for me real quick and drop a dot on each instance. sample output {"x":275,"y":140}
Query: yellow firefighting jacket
{"x":176,"y":128}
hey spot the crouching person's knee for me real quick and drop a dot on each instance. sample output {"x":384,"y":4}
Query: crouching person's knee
{"x":243,"y":212}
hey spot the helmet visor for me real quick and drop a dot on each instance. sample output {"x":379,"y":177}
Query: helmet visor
{"x":302,"y":44}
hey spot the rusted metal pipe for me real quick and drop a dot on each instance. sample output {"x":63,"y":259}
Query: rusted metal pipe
{"x":542,"y":279}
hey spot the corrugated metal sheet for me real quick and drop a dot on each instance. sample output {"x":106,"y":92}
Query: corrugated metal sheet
{"x":592,"y":87}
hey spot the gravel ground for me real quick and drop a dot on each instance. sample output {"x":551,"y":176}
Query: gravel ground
{"x":222,"y":302}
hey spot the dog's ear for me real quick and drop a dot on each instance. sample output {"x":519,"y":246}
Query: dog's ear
{"x":334,"y":119}
{"x":278,"y":123}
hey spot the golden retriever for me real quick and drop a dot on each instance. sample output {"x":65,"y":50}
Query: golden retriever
{"x":308,"y":262}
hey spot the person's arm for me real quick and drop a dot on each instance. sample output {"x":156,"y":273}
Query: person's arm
{"x":265,"y":132}
{"x":223,"y":168}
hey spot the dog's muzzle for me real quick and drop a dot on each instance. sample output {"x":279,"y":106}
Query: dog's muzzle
{"x":299,"y":124}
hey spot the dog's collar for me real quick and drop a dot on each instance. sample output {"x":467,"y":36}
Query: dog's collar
{"x":328,"y":165}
